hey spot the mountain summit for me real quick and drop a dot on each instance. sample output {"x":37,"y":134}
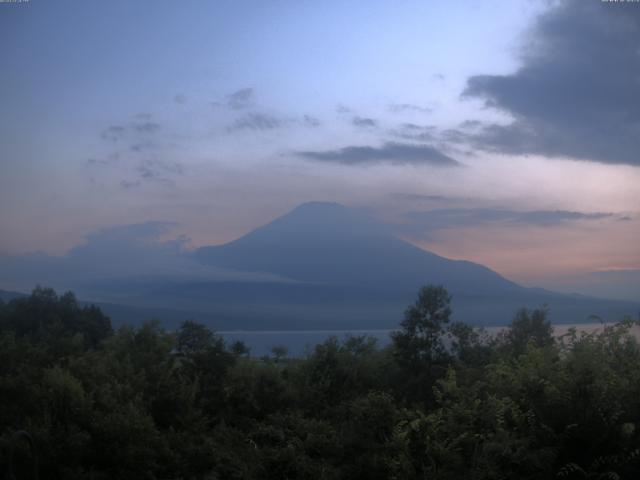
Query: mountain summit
{"x":328,"y":243}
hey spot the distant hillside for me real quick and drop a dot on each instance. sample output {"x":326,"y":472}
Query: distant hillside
{"x":6,"y":295}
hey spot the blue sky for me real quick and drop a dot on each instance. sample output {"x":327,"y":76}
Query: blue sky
{"x":219,"y":116}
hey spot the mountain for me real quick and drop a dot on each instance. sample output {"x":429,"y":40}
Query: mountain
{"x":327,"y":243}
{"x":322,"y":266}
{"x":347,"y":270}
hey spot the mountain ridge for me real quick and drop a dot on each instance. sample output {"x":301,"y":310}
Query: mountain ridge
{"x":330,"y":243}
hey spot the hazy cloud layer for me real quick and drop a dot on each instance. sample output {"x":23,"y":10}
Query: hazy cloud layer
{"x":128,"y":184}
{"x":124,"y":252}
{"x":146,"y":127}
{"x":622,"y":284}
{"x":390,"y":153}
{"x":137,"y":154}
{"x":577,"y":93}
{"x":240,"y":99}
{"x":418,"y":197}
{"x":364,"y":122}
{"x":425,"y":222}
{"x":310,"y":121}
{"x":112,"y":252}
{"x":412,"y":131}
{"x":139,"y":127}
{"x":103,"y":161}
{"x":409,"y":107}
{"x":113,"y":133}
{"x":256,"y":121}
{"x":158,"y":170}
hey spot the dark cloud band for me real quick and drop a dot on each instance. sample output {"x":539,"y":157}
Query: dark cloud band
{"x":425,"y":222}
{"x":391,"y":153}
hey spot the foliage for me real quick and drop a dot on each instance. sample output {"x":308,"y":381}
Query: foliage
{"x":444,"y":401}
{"x":419,"y":346}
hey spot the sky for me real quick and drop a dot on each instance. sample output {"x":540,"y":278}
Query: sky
{"x":507,"y":133}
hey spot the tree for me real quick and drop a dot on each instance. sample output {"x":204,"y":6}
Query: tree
{"x":529,"y":327}
{"x":46,"y":317}
{"x":279,"y":353}
{"x":419,"y":343}
{"x":419,"y":346}
{"x":471,"y":346}
{"x":204,"y":358}
{"x":194,"y":338}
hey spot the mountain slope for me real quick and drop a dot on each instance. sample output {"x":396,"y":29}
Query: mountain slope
{"x":330,"y":244}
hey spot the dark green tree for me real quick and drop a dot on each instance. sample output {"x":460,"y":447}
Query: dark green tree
{"x":529,"y":327}
{"x":419,"y":346}
{"x":46,"y":317}
{"x":206,"y":360}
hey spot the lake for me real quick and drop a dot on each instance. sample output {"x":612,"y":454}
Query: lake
{"x":299,"y":342}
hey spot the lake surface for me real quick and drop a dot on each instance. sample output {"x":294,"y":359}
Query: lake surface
{"x":299,"y":342}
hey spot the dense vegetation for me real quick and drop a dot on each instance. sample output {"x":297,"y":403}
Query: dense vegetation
{"x":444,"y":401}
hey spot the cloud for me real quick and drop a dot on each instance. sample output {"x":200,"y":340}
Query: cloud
{"x":117,"y":258}
{"x":309,"y":121}
{"x":417,"y":197}
{"x":364,"y":122}
{"x":256,"y":121}
{"x":111,"y":252}
{"x":138,"y":156}
{"x":113,"y":133}
{"x":425,"y":222}
{"x":577,"y":92}
{"x":620,"y":284}
{"x":141,"y":146}
{"x":145,"y":127}
{"x":139,"y":234}
{"x":240,"y":99}
{"x":412,"y":131}
{"x":391,"y":153}
{"x":127,"y":185}
{"x":159,"y":170}
{"x":108,"y":160}
{"x":408,"y":107}
{"x":471,"y":124}
{"x":262,"y":122}
{"x":141,"y":125}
